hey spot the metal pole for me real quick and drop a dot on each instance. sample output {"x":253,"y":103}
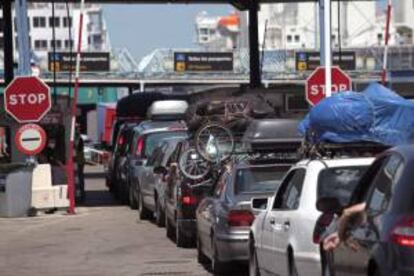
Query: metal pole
{"x":8,"y":41}
{"x":322,"y":31}
{"x":327,"y":46}
{"x":255,"y":78}
{"x":387,"y":38}
{"x":71,"y":165}
{"x":23,"y":38}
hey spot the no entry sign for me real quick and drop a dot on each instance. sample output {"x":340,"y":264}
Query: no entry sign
{"x":27,"y":99}
{"x":30,"y":139}
{"x":315,"y":84}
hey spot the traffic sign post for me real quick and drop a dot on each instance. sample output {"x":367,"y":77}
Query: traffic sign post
{"x":316,"y":89}
{"x":30,"y":139}
{"x":27,"y":99}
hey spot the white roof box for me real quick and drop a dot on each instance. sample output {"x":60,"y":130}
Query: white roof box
{"x":167,"y":110}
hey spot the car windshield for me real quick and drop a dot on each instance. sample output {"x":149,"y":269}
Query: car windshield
{"x":155,"y":139}
{"x":339,"y":182}
{"x":259,"y":179}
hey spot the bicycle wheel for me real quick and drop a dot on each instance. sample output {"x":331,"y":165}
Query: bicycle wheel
{"x":214,"y":142}
{"x":192,"y":165}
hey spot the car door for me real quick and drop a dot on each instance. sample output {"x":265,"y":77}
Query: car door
{"x":172,"y":182}
{"x":286,"y":210}
{"x":354,"y":255}
{"x":207,"y":213}
{"x":147,"y":177}
{"x":268,"y":250}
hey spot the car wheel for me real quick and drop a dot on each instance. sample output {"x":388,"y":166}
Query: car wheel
{"x":169,"y":229}
{"x":293,"y":271}
{"x":217,"y":267}
{"x":180,"y":238}
{"x":132,"y":199}
{"x":201,"y":257}
{"x":253,"y":264}
{"x":159,"y":214}
{"x":144,"y":213}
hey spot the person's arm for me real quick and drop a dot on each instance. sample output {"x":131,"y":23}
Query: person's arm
{"x":333,"y":240}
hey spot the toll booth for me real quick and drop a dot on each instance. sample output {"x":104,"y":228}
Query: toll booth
{"x":56,"y":124}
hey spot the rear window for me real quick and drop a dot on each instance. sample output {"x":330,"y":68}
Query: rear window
{"x":152,"y":141}
{"x":259,"y":179}
{"x":340,"y":182}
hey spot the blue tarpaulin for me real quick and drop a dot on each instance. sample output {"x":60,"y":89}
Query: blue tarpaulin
{"x":376,"y":114}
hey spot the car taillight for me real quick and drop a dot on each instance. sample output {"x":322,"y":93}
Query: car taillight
{"x":321,"y":224}
{"x":238,"y":218}
{"x":140,"y":146}
{"x":189,"y":200}
{"x":403,"y":232}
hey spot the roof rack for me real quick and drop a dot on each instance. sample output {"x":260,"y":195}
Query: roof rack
{"x":343,"y":150}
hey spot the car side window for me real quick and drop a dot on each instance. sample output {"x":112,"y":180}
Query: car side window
{"x":174,"y":155}
{"x":152,"y":160}
{"x":289,"y":194}
{"x":381,"y":186}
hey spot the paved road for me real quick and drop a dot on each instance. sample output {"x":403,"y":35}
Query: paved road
{"x":102,"y":239}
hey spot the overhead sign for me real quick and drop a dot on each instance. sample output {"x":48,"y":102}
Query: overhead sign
{"x":309,"y":61}
{"x":89,"y":62}
{"x":30,"y":139}
{"x":27,"y":99}
{"x":203,"y":62}
{"x":315,"y":84}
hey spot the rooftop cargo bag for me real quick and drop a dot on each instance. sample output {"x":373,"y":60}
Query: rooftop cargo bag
{"x":376,"y":115}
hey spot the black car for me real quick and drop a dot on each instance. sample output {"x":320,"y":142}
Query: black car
{"x":380,"y":239}
{"x":182,"y":197}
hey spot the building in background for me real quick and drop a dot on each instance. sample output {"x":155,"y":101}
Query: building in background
{"x":41,"y":23}
{"x":217,"y":32}
{"x":296,"y":26}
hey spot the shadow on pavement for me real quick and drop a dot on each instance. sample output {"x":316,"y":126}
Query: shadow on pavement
{"x":102,"y":198}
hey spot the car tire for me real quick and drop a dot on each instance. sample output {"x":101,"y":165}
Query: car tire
{"x":169,"y":229}
{"x":159,"y":214}
{"x":180,"y":238}
{"x":217,"y":267}
{"x":201,"y":257}
{"x":293,"y":271}
{"x":253,"y":264}
{"x":132,"y":199}
{"x":144,"y":213}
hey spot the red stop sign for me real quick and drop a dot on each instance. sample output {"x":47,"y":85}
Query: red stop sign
{"x":27,"y":99}
{"x":315,"y":84}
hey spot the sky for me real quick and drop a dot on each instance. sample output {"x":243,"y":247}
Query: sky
{"x":143,"y":28}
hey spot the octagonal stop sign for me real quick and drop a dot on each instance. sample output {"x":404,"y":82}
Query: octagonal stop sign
{"x":315,"y":84}
{"x":27,"y":99}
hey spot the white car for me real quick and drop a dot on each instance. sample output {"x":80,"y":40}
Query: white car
{"x":281,"y":238}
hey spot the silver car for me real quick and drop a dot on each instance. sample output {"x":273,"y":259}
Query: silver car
{"x":224,"y":218}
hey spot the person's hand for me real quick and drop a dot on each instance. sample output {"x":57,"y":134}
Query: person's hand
{"x":353,"y":244}
{"x":331,"y":242}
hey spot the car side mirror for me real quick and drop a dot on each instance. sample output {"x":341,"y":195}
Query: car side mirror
{"x":259,"y":204}
{"x":160,"y":170}
{"x":329,"y":205}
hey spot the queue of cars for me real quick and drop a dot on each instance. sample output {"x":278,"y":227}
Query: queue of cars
{"x":265,"y":207}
